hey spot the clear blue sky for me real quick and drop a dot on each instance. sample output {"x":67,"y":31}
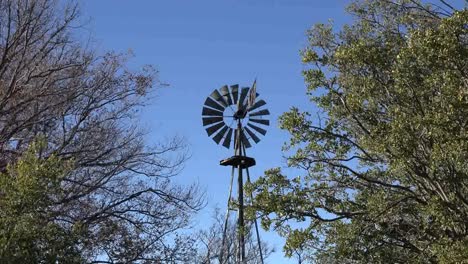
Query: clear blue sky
{"x":201,"y":45}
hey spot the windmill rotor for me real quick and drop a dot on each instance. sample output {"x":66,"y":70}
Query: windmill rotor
{"x":227,"y":106}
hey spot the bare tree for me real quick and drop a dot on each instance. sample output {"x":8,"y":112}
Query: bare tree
{"x":83,"y":104}
{"x":210,"y":249}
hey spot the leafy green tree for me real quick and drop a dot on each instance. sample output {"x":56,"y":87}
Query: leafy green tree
{"x":28,"y":232}
{"x":384,"y":167}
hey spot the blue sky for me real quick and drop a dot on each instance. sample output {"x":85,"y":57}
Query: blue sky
{"x":198,"y":46}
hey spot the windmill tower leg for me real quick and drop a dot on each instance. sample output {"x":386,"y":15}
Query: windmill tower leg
{"x":240,"y":219}
{"x":240,"y":192}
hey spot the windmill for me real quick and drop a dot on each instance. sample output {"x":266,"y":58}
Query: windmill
{"x":236,"y":119}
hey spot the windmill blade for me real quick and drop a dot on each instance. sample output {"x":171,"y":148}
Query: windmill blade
{"x":211,"y":120}
{"x":226,"y":95}
{"x":243,"y":95}
{"x":227,"y":139}
{"x":257,"y":105}
{"x":214,"y":128}
{"x":260,"y":121}
{"x":218,"y":98}
{"x":258,"y":129}
{"x":235,"y":93}
{"x":213,"y":104}
{"x":245,"y":141}
{"x":217,"y":138}
{"x":252,"y":135}
{"x":261,"y":112}
{"x":211,"y":112}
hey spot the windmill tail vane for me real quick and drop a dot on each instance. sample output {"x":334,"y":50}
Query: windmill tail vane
{"x":252,"y":94}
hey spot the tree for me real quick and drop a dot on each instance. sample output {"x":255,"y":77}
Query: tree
{"x":27,"y":235}
{"x":385,"y":176}
{"x":210,"y":246}
{"x":118,"y":190}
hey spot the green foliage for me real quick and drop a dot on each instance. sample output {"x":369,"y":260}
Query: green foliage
{"x":28,"y":230}
{"x":386,"y":167}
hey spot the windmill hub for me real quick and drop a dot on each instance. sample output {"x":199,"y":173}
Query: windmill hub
{"x":240,"y":114}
